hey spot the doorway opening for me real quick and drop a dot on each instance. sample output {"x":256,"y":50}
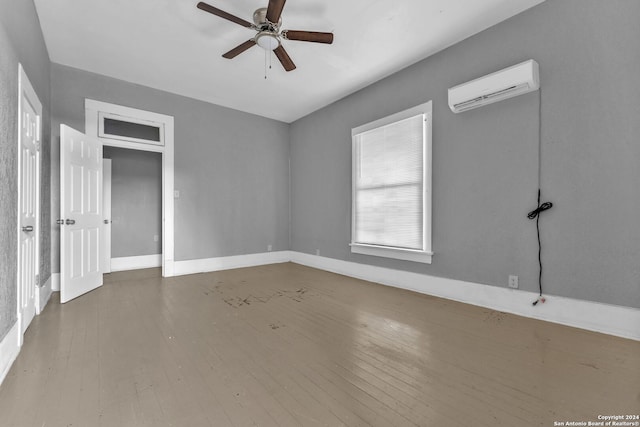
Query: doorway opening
{"x":132,"y":209}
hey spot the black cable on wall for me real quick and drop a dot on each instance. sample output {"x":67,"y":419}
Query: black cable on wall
{"x":535,"y":214}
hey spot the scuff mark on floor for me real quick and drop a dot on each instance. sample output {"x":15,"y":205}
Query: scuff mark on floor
{"x":494,"y":316}
{"x":297,"y":295}
{"x":590,"y":365}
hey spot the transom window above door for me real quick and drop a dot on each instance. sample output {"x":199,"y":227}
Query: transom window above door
{"x":131,"y":129}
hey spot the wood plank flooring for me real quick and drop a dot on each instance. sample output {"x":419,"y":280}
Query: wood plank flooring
{"x":288,"y":345}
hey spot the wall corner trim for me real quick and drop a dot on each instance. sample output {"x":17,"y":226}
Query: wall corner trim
{"x":598,"y":317}
{"x":9,"y":350}
{"x":43,"y":293}
{"x":55,"y":282}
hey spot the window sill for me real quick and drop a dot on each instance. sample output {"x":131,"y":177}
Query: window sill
{"x":395,"y":253}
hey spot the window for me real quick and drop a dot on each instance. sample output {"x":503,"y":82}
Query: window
{"x":114,"y":126}
{"x":391,"y":196}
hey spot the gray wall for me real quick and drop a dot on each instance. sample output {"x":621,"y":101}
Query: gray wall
{"x":136,"y":202}
{"x":484,"y":161}
{"x":20,"y":41}
{"x":231,"y":168}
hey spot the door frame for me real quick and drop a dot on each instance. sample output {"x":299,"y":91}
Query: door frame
{"x":106,"y":215}
{"x":95,"y":111}
{"x":25,"y":87}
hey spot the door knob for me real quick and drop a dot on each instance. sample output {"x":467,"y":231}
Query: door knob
{"x":106,"y":221}
{"x":27,"y":228}
{"x":70,"y":221}
{"x":60,"y":221}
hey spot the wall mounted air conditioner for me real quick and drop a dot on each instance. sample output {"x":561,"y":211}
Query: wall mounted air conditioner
{"x":494,"y":87}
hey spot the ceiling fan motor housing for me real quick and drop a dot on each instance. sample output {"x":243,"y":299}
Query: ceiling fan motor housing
{"x":260,"y":19}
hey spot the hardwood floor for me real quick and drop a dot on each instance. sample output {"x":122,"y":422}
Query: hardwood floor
{"x":287,"y":345}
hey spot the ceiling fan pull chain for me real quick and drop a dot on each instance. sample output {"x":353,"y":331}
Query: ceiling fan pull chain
{"x":265,"y":64}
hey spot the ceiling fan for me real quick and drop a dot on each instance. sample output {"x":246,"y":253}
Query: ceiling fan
{"x":267,"y":22}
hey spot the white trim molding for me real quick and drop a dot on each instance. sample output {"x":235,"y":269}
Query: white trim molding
{"x":387,"y":252}
{"x":606,"y":318}
{"x":9,"y":349}
{"x":136,"y":262}
{"x":228,"y":262}
{"x":96,"y":109}
{"x":593,"y":316}
{"x":43,"y":293}
{"x":27,"y":95}
{"x":55,"y":282}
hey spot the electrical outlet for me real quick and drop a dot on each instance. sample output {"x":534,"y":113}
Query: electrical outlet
{"x":176,"y":194}
{"x":269,"y":248}
{"x":155,"y":238}
{"x":318,"y":252}
{"x":513,"y":282}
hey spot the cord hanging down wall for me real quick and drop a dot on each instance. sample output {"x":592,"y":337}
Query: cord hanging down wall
{"x":535,"y":214}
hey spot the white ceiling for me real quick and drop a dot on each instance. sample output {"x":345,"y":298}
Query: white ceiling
{"x":173,"y":46}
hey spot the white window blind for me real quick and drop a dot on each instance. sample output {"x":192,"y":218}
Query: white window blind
{"x":389,"y":170}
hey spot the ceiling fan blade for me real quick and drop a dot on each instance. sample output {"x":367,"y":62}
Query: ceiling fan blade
{"x":309,"y":36}
{"x":282,"y":55}
{"x":239,"y":49}
{"x":274,"y":10}
{"x":222,"y":14}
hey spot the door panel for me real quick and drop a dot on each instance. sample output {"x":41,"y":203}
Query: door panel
{"x":93,"y":250}
{"x":93,"y":177}
{"x":75,"y":187}
{"x":75,"y":263}
{"x":80,"y":210}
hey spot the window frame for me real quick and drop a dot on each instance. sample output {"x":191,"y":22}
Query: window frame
{"x":102,"y":115}
{"x":425,"y":254}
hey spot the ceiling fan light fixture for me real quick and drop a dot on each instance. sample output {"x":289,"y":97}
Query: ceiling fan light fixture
{"x":267,"y":40}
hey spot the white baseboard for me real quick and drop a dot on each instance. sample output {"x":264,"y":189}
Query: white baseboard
{"x":609,"y":319}
{"x":136,"y":262}
{"x":55,"y":282}
{"x":168,"y":270}
{"x":228,"y":262}
{"x":9,"y":350}
{"x":43,"y":294}
{"x":598,"y":317}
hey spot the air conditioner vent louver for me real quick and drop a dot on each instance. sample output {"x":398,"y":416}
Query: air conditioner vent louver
{"x":494,"y":87}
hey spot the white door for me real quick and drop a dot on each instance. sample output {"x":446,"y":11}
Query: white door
{"x":80,"y":211}
{"x":106,"y":212}
{"x":30,"y":110}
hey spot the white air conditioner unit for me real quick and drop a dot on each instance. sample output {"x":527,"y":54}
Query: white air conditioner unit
{"x":494,"y":87}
